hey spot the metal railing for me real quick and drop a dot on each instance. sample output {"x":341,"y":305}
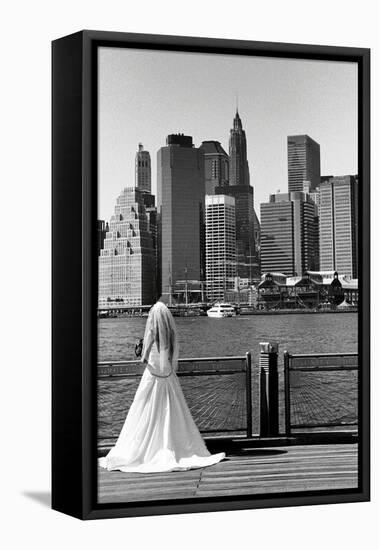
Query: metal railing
{"x":320,"y":391}
{"x":218,"y":405}
{"x":226,"y":395}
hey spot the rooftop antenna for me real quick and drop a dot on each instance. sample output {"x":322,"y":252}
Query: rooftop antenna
{"x":237,"y":102}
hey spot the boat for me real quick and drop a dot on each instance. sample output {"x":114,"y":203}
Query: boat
{"x":222,"y":309}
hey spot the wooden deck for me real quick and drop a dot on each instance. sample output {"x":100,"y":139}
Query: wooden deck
{"x":251,"y":471}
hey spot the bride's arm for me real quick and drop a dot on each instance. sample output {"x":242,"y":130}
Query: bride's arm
{"x":175,"y":357}
{"x":148,"y":341}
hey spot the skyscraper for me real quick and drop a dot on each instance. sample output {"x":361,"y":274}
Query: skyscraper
{"x":289,"y":234}
{"x":152,"y":227}
{"x":338,"y":212}
{"x":247,"y":261}
{"x":314,"y":195}
{"x":143,"y":169}
{"x":181,"y":202}
{"x":303,"y":162}
{"x":127,"y":261}
{"x":216,"y":166}
{"x":220,"y":231}
{"x":239,"y":166}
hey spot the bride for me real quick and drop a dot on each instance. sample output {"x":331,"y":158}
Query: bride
{"x":159,"y":434}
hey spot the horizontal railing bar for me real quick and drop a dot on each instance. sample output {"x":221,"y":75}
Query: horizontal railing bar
{"x":178,"y":373}
{"x":323,"y":368}
{"x":226,"y":358}
{"x":324,"y":424}
{"x":301,"y":355}
{"x":201,"y":430}
{"x":129,"y":362}
{"x":209,"y":372}
{"x":184,"y":360}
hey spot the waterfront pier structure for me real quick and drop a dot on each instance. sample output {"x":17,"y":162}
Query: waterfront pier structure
{"x":315,"y":290}
{"x":291,"y":430}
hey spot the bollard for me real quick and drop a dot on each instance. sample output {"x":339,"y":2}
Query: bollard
{"x":269,"y":389}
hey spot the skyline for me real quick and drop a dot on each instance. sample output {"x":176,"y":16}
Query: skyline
{"x":139,"y":101}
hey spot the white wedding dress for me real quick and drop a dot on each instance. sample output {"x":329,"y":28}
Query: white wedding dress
{"x":159,"y":433}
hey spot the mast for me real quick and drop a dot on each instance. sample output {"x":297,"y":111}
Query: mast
{"x":169,"y":285}
{"x":186,"y":284}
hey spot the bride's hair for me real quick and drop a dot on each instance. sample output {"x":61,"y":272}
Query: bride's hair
{"x":161,"y":328}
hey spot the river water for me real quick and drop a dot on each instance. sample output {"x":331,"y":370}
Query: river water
{"x":207,"y":337}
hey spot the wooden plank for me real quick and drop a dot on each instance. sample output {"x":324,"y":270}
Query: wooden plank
{"x":118,"y":496}
{"x":235,"y":478}
{"x":163,"y":477}
{"x":285,"y":458}
{"x":298,"y":468}
{"x":267,"y":487}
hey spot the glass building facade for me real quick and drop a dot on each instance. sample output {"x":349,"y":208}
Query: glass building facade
{"x":338,"y":214}
{"x":289,"y":242}
{"x":303,"y":162}
{"x":181,"y":204}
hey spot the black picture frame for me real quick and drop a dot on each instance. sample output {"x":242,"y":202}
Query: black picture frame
{"x":74,"y":271}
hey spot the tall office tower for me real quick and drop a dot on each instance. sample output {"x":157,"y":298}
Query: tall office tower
{"x":143,"y":169}
{"x":127,"y":262}
{"x":238,"y":164}
{"x":216,"y":166}
{"x":102,"y":229}
{"x":181,"y":203}
{"x":289,"y":234}
{"x":338,"y":213}
{"x":303,"y":162}
{"x":152,"y":227}
{"x":315,"y":197}
{"x":220,"y":239}
{"x":239,"y":187}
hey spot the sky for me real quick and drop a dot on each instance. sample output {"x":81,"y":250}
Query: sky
{"x":146,"y":95}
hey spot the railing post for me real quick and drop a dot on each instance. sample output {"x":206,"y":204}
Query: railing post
{"x":269,"y":389}
{"x":287,"y":400}
{"x":249,"y":419}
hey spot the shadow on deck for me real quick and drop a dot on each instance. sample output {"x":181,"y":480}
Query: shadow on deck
{"x":246,"y":471}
